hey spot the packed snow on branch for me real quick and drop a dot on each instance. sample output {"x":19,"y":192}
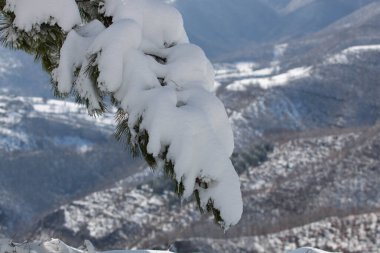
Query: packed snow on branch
{"x":31,"y":13}
{"x":144,"y":62}
{"x":57,"y":246}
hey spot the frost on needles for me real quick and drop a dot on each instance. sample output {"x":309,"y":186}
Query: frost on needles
{"x":136,"y":54}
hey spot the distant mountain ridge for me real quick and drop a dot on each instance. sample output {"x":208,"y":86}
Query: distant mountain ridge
{"x":222,"y":27}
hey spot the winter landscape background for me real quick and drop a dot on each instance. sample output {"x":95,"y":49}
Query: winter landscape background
{"x":300,"y":82}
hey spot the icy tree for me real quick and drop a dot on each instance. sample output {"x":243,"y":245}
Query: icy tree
{"x":136,"y":55}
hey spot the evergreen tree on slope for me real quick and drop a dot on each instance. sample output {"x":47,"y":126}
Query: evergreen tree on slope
{"x":136,"y":54}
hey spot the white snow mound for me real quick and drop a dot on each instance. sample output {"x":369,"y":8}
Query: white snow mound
{"x":30,"y":13}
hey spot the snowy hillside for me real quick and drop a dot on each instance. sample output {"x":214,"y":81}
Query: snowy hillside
{"x":338,"y":91}
{"x":305,"y":179}
{"x":19,"y":75}
{"x":354,"y":233}
{"x":16,"y":111}
{"x":224,"y":28}
{"x":57,"y":246}
{"x":33,"y":178}
{"x":134,"y":212}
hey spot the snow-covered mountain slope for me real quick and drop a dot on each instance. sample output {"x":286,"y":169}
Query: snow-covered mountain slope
{"x":57,"y":246}
{"x":50,"y":152}
{"x":354,"y":233}
{"x":222,"y":27}
{"x":347,"y":55}
{"x":340,"y":90}
{"x":134,"y":213}
{"x":16,"y":112}
{"x":315,"y":177}
{"x":308,"y":178}
{"x":359,"y":27}
{"x":20,"y":75}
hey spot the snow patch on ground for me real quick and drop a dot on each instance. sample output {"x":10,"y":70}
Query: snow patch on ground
{"x":344,"y":56}
{"x":359,"y":49}
{"x":295,"y":5}
{"x":271,"y":81}
{"x":278,"y":52}
{"x":61,"y":110}
{"x":13,"y":110}
{"x":237,"y":70}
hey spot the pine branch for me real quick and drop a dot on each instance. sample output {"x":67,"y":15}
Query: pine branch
{"x":44,"y":42}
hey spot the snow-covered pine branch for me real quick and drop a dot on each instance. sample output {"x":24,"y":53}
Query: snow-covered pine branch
{"x":136,"y":52}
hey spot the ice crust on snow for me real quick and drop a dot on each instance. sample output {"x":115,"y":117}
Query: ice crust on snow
{"x":30,"y":13}
{"x":145,"y":61}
